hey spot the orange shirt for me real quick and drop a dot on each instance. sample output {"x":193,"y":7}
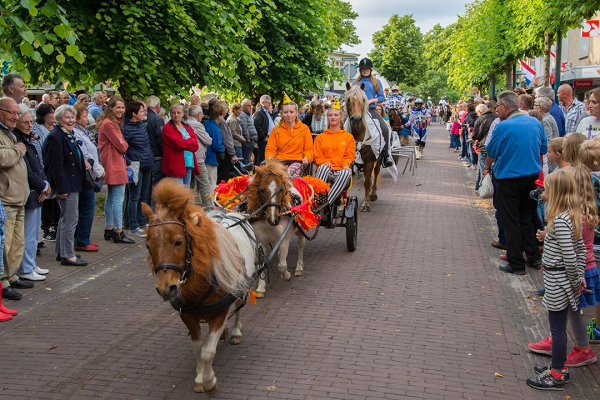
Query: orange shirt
{"x":337,"y":148}
{"x":290,"y":144}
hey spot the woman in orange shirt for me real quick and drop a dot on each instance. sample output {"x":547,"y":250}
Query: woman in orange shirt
{"x":291,"y":141}
{"x":334,"y":152}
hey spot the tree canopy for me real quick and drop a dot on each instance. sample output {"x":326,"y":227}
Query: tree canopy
{"x":165,"y":47}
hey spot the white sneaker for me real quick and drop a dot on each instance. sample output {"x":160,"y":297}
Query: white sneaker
{"x":138,"y":232}
{"x":33,"y":276}
{"x":41,"y":271}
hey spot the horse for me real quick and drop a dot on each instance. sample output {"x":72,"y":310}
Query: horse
{"x":270,"y":188}
{"x":202,"y":267}
{"x":357,"y":109}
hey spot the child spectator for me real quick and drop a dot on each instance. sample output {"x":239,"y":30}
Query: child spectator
{"x":556,"y":160}
{"x":564,"y":263}
{"x":571,"y":147}
{"x":455,"y":135}
{"x":590,"y":158}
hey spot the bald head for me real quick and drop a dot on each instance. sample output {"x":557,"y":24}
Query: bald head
{"x":9,"y":112}
{"x":565,"y":95}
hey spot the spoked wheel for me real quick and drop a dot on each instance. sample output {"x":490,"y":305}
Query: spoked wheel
{"x":352,"y":226}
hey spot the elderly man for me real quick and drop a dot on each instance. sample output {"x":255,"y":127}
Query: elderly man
{"x":96,"y":106}
{"x":516,"y":146}
{"x":543,"y":105}
{"x":13,"y":87}
{"x":555,"y":111}
{"x":247,"y":124}
{"x":154,"y":126}
{"x":570,"y":106}
{"x":263,"y":121}
{"x":14,"y":191}
{"x":480,"y":132}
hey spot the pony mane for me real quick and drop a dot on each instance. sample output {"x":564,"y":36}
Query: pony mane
{"x":357,"y":93}
{"x":273,"y":167}
{"x":214,"y":250}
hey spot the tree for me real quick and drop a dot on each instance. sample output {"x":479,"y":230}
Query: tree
{"x":398,"y":51}
{"x":342,"y":19}
{"x":147,"y":47}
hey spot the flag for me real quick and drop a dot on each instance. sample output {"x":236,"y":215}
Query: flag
{"x":528,"y":72}
{"x":562,"y":64}
{"x":590,"y":28}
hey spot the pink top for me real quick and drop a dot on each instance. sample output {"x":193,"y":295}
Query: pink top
{"x":455,"y":130}
{"x":112,"y":149}
{"x":588,"y":239}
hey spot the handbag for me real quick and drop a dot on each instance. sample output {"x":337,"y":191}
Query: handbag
{"x":89,"y":182}
{"x":486,"y":190}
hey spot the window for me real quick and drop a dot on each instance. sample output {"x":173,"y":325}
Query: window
{"x":584,"y":47}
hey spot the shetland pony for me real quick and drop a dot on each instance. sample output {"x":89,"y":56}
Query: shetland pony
{"x":270,"y":187}
{"x":201,"y":267}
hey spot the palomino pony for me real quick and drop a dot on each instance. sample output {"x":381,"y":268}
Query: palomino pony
{"x":357,"y":109}
{"x":270,"y":188}
{"x":201,"y":267}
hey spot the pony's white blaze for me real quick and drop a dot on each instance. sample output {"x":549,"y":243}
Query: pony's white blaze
{"x":271,"y":189}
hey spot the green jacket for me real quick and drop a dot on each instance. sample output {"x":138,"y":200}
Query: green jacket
{"x":14,"y":188}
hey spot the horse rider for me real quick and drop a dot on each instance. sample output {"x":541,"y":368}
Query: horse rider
{"x":374,"y":92}
{"x":419,"y":116}
{"x":290,"y":141}
{"x":394,"y":101}
{"x":335,"y":151}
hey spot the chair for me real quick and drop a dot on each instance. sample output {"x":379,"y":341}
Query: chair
{"x":407,"y":152}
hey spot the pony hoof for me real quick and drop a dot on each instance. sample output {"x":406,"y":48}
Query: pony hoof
{"x":213,"y":390}
{"x":298,"y":273}
{"x":236,"y":340}
{"x":373,"y":197}
{"x":198,"y":388}
{"x":287,"y":277}
{"x":259,"y":295}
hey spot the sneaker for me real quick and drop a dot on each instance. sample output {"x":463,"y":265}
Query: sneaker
{"x":540,"y":369}
{"x":41,"y":271}
{"x":541,"y":291}
{"x":32,"y":276}
{"x":498,"y":245}
{"x":578,"y":358}
{"x":510,"y":270}
{"x":49,"y":234}
{"x":137,"y":232}
{"x":542,"y":347}
{"x":546,"y":381}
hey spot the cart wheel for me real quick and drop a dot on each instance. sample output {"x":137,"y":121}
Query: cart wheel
{"x":352,"y":230}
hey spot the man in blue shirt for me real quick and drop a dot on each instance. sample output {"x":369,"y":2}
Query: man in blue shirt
{"x":516,"y":148}
{"x":96,"y":106}
{"x":555,"y":110}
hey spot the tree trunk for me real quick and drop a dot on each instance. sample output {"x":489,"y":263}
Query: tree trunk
{"x":508,"y":69}
{"x":547,"y":45}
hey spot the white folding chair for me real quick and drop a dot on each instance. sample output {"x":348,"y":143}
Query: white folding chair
{"x":407,"y":152}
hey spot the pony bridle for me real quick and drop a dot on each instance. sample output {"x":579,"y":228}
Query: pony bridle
{"x":270,"y":202}
{"x":187,"y":268}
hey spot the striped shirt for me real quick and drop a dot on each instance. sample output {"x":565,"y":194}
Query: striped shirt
{"x":572,"y":115}
{"x":561,"y":251}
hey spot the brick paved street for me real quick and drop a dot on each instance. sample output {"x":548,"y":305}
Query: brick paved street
{"x":418,"y":311}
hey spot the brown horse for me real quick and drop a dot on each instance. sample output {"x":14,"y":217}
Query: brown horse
{"x":357,"y":109}
{"x":270,"y":188}
{"x":201,"y":267}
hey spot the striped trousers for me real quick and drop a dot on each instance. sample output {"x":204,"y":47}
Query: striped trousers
{"x":339,"y":180}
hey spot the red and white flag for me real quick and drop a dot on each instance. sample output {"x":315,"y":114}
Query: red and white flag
{"x":590,"y":28}
{"x":562,"y":64}
{"x":528,"y":72}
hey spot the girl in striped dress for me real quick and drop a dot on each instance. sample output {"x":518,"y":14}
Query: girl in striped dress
{"x":564,"y":264}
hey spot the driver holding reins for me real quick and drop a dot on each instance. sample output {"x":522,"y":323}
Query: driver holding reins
{"x":374,"y":92}
{"x":291,"y":141}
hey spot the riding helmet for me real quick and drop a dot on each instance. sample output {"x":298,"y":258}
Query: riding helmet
{"x":418,"y":100}
{"x":395,"y":87}
{"x":365,"y":63}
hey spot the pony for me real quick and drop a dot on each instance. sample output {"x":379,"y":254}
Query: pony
{"x":270,"y":188}
{"x":202,"y":267}
{"x":357,"y":109}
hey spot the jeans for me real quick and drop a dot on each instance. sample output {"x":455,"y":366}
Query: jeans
{"x":516,"y":210}
{"x":262,"y":146}
{"x":65,"y":234}
{"x":480,"y":167}
{"x":501,"y":238}
{"x":247,"y":151}
{"x":87,"y":206}
{"x":239,"y":152}
{"x":113,"y":207}
{"x":33,"y":218}
{"x":187,"y":179}
{"x":137,"y":196}
{"x":463,"y":136}
{"x":455,"y":141}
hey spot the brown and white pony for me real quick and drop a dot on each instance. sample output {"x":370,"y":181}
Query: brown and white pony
{"x":271,"y":187}
{"x":201,"y":267}
{"x":357,"y":109}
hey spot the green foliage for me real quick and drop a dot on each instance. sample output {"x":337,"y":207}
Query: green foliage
{"x":166,"y":47}
{"x":398,"y":51}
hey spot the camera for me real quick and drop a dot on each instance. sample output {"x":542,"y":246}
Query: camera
{"x":536,"y":194}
